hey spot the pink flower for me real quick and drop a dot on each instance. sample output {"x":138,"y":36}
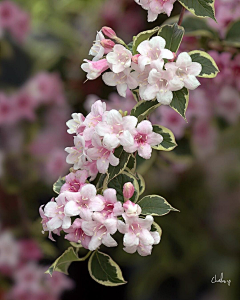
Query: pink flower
{"x":55,"y":211}
{"x":76,"y":234}
{"x":97,"y":50}
{"x":102,"y":152}
{"x":7,"y":115}
{"x":100,"y":229}
{"x":24,"y":105}
{"x":94,"y":68}
{"x":75,"y":181}
{"x":144,"y":138}
{"x":93,"y":118}
{"x":131,"y":209}
{"x":108,"y":45}
{"x":156,"y":7}
{"x":161,"y":85}
{"x":153,"y":52}
{"x":91,"y":168}
{"x":29,"y":250}
{"x":122,"y":80}
{"x":119,"y":59}
{"x":113,"y":208}
{"x":141,"y":78}
{"x":9,"y":251}
{"x":20,"y":26}
{"x":117,"y":126}
{"x":128,"y":190}
{"x":185,"y":70}
{"x":77,"y":155}
{"x":8,"y":13}
{"x":84,"y":203}
{"x":75,"y":125}
{"x":137,"y":235}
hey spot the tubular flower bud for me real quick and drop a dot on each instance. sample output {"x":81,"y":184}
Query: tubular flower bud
{"x":106,"y":43}
{"x":109,"y":32}
{"x":128,"y":190}
{"x":135,"y":58}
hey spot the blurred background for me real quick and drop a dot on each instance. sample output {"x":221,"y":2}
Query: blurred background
{"x":42,"y":45}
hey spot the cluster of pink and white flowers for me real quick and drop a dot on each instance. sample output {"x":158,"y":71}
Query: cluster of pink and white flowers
{"x":146,"y":70}
{"x":101,"y":132}
{"x":97,"y":216}
{"x":156,"y":7}
{"x":14,"y":20}
{"x":19,"y":263}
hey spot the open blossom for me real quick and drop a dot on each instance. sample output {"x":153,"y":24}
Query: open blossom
{"x":83,"y":203}
{"x":153,"y":52}
{"x":161,"y":84}
{"x":144,"y":138}
{"x":93,"y":118}
{"x":100,"y":229}
{"x":75,"y":125}
{"x":122,"y":80}
{"x":94,"y":68}
{"x":156,"y":7}
{"x":141,"y":77}
{"x":137,"y":234}
{"x":77,"y":155}
{"x":102,"y":152}
{"x":113,"y":207}
{"x":75,"y":181}
{"x":131,"y":209}
{"x":118,"y":126}
{"x":91,"y":168}
{"x":119,"y":59}
{"x":76,"y":234}
{"x":97,"y":50}
{"x":185,"y":70}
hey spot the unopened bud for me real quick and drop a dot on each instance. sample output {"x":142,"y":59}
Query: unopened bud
{"x":174,"y":57}
{"x":135,"y":58}
{"x":106,"y":43}
{"x":128,"y":190}
{"x":108,"y":31}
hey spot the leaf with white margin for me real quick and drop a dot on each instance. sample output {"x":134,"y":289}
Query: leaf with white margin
{"x":103,"y":269}
{"x":200,"y":8}
{"x":144,"y":108}
{"x":209,"y":67}
{"x":155,"y":205}
{"x":180,"y":101}
{"x":173,"y":35}
{"x":63,"y":262}
{"x":142,"y":36}
{"x":58,"y":184}
{"x":168,"y":142}
{"x":141,"y":183}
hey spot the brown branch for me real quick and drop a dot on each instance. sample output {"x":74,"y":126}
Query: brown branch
{"x":181,"y":16}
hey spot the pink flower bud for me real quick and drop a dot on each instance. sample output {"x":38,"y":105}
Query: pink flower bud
{"x":128,"y":190}
{"x":135,"y":58}
{"x":109,"y":32}
{"x":174,"y":57}
{"x":106,"y":43}
{"x":132,"y":209}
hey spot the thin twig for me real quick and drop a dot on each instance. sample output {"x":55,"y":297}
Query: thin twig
{"x":181,"y":16}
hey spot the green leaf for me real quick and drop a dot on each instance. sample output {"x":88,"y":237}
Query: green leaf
{"x":104,"y":270}
{"x":100,"y":182}
{"x":63,"y":262}
{"x":143,"y":108}
{"x":142,"y":36}
{"x":209,"y":67}
{"x":123,"y":161}
{"x":200,"y":8}
{"x":195,"y":26}
{"x":168,"y":142}
{"x":118,"y":182}
{"x":132,"y":163}
{"x":155,"y":205}
{"x":141,"y":183}
{"x":233,"y":34}
{"x":58,"y":184}
{"x":173,"y":35}
{"x":180,"y":101}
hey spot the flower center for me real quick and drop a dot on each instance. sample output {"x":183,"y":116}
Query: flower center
{"x":140,"y":138}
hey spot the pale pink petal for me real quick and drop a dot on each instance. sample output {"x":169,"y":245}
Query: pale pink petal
{"x":94,"y":243}
{"x":89,"y":226}
{"x":110,"y":141}
{"x":109,"y":78}
{"x":50,"y":209}
{"x":126,"y":139}
{"x":122,"y":89}
{"x":122,"y":227}
{"x":146,"y":237}
{"x":156,"y":237}
{"x":194,"y":69}
{"x":54,"y":223}
{"x":191,"y":82}
{"x":145,"y":151}
{"x":165,"y":98}
{"x":118,"y":209}
{"x":96,"y":204}
{"x":102,"y":165}
{"x":108,"y":241}
{"x":113,"y":160}
{"x":157,"y":42}
{"x":154,"y":139}
{"x":66,"y":223}
{"x":111,"y":225}
{"x":130,"y":240}
{"x":110,"y":195}
{"x":165,"y":53}
{"x":145,"y":127}
{"x":183,"y":60}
